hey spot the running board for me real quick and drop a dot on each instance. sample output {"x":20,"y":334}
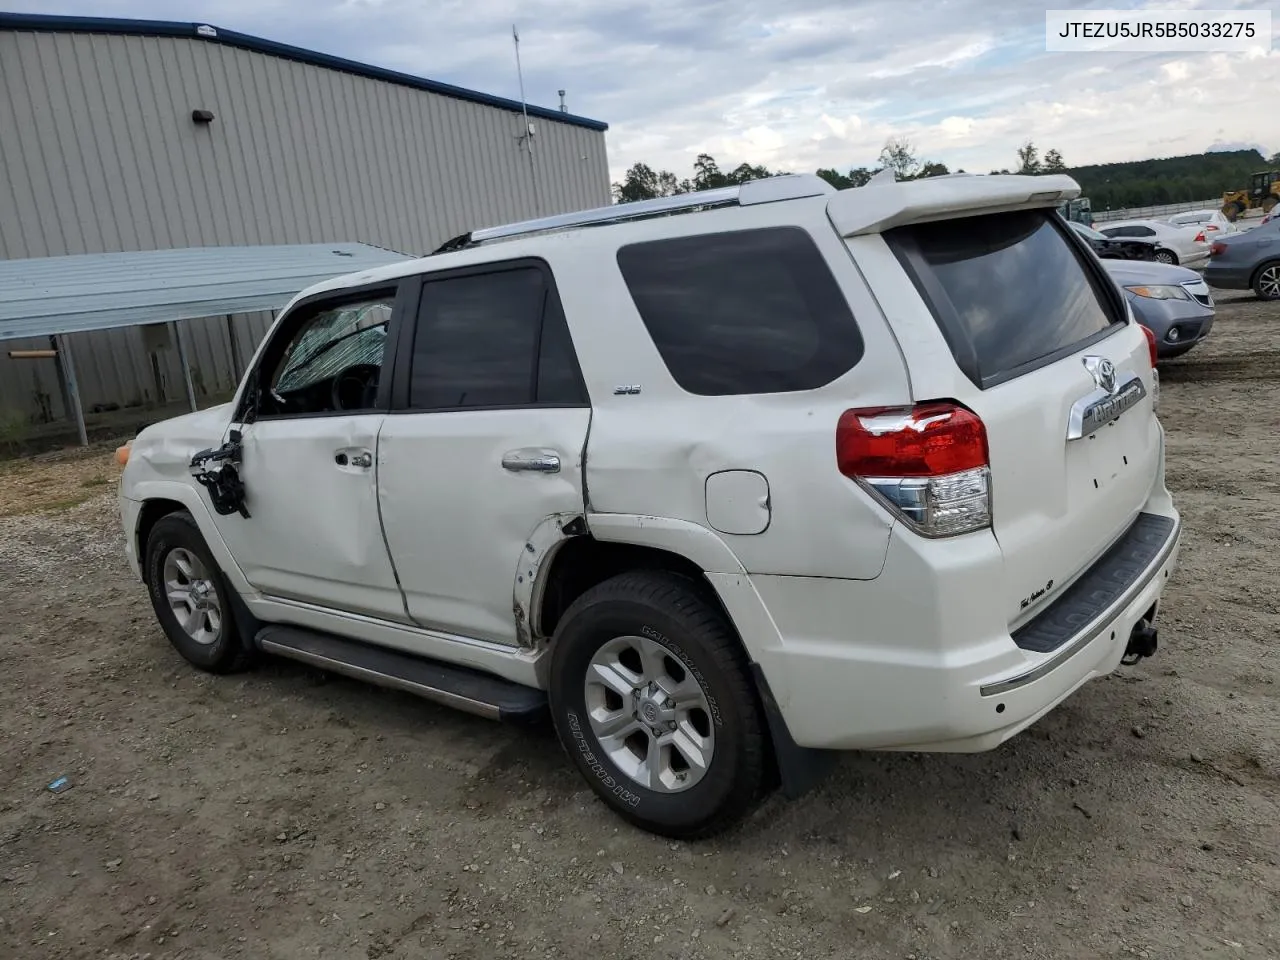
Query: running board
{"x":460,"y":687}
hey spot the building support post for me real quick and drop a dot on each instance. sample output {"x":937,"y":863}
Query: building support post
{"x":186,"y":364}
{"x":62,"y":378}
{"x":67,"y":370}
{"x":235,"y":350}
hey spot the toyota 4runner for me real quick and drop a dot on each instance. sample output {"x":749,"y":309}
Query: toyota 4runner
{"x":727,"y":481}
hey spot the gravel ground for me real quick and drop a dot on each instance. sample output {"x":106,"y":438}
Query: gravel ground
{"x":284,"y":814}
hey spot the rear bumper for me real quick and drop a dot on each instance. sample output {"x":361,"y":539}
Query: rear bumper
{"x":1227,"y":277}
{"x":922,"y":675}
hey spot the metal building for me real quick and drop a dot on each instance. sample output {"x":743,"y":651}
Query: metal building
{"x":125,"y":135}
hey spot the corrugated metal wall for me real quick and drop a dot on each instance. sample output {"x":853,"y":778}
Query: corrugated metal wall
{"x":98,"y":153}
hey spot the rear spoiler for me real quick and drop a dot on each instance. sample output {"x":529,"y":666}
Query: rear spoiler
{"x":880,"y":206}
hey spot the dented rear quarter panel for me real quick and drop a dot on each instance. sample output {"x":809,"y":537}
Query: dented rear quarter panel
{"x":650,"y":453}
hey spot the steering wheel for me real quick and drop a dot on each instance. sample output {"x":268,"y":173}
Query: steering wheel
{"x":356,"y":387}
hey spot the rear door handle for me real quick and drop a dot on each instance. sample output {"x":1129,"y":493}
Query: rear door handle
{"x":531,"y":459}
{"x":360,"y":459}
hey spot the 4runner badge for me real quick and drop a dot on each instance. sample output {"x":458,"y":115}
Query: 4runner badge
{"x":1107,"y":402}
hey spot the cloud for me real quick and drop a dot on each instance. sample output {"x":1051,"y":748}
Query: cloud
{"x":792,"y":84}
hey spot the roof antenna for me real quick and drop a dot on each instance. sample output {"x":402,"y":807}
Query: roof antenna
{"x":526,"y":138}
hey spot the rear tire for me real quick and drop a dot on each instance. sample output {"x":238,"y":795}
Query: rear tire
{"x":1266,"y":282}
{"x":191,"y":597}
{"x":1166,"y":256}
{"x":653,"y":701}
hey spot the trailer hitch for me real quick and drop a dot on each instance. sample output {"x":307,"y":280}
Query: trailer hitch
{"x":1142,"y":642}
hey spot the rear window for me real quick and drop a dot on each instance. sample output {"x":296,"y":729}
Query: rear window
{"x":1010,"y":291}
{"x":746,"y":311}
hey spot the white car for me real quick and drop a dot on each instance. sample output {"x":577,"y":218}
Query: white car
{"x":727,"y":482}
{"x":1180,"y":246}
{"x":1212,"y":222}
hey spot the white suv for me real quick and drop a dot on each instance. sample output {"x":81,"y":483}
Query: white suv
{"x":728,"y":481}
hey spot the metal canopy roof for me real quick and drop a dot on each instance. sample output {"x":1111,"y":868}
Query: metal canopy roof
{"x":45,"y":296}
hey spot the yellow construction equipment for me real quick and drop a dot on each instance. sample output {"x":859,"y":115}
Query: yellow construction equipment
{"x":1264,"y":192}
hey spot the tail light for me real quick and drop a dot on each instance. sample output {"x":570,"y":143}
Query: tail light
{"x":1217,"y":249}
{"x":928,"y":464}
{"x":1151,"y":346}
{"x":1155,"y":374}
{"x":1200,"y":237}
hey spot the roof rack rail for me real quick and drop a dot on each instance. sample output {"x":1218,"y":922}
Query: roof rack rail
{"x":790,"y":186}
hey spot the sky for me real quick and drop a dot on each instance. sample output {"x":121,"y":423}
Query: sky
{"x":791,"y":84}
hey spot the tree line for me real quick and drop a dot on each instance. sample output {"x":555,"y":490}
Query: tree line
{"x":1135,"y":183}
{"x":1143,"y":183}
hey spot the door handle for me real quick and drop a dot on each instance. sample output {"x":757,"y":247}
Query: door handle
{"x":362,"y":460}
{"x":531,"y":460}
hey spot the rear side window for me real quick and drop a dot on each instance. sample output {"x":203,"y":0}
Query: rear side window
{"x":1008,"y":290}
{"x":748,"y":311}
{"x":495,"y":339}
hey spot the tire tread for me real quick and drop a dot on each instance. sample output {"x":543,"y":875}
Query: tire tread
{"x":238,"y":657}
{"x":700,"y":615}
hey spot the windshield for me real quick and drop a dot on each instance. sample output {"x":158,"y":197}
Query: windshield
{"x":1084,"y":231}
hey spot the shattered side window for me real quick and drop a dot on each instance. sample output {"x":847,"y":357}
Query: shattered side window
{"x":334,"y":340}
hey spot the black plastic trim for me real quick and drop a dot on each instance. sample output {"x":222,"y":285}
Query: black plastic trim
{"x":799,"y":768}
{"x":1100,"y":588}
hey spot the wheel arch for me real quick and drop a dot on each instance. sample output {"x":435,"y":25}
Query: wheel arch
{"x":151,"y":513}
{"x":579,"y":562}
{"x":161,"y":498}
{"x":607,"y":545}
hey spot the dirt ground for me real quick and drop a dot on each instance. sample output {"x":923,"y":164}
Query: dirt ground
{"x":286,"y":814}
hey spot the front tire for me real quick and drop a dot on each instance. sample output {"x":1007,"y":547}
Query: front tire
{"x":652,"y":699}
{"x":191,"y":598}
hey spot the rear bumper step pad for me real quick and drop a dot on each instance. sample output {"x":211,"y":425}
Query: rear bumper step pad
{"x":1101,"y":588}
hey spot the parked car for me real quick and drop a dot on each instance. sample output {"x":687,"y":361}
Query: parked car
{"x":1249,"y":260}
{"x":1174,"y":245}
{"x":1119,"y":248}
{"x":1174,"y":303}
{"x":709,"y":478}
{"x":1210,"y":221}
